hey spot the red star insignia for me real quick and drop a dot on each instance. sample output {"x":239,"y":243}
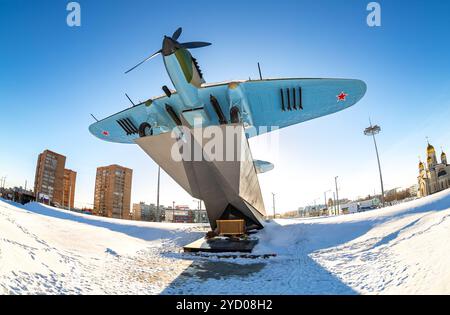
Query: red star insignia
{"x":105,"y":133}
{"x":341,"y":97}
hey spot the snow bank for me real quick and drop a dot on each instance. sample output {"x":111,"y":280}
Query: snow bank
{"x":148,"y":231}
{"x":48,"y":250}
{"x":399,"y":249}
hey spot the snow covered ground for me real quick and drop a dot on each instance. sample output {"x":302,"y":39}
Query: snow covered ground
{"x":400,"y":249}
{"x":49,"y":251}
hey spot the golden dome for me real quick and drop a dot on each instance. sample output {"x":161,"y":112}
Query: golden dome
{"x":233,"y":85}
{"x":430,"y":149}
{"x":421,"y":166}
{"x":443,"y":155}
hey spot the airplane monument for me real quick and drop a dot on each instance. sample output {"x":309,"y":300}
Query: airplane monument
{"x":168,"y":126}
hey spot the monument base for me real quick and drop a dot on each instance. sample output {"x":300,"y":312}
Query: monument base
{"x":228,"y":186}
{"x":221,"y":245}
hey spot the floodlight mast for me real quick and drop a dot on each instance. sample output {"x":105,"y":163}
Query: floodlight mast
{"x":372,"y":131}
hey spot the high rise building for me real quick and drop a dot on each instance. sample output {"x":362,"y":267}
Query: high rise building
{"x":146,"y":212}
{"x":69,"y":188}
{"x":137,"y":211}
{"x":113,"y":192}
{"x":49,"y":178}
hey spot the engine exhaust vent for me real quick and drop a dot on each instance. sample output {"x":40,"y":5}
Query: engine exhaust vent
{"x":291,"y":99}
{"x":128,"y":126}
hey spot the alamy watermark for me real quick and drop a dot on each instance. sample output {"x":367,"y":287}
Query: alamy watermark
{"x":74,"y":16}
{"x":219,"y":143}
{"x":374,"y":17}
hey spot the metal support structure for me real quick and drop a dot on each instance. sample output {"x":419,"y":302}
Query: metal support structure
{"x":372,"y":131}
{"x":229,"y":188}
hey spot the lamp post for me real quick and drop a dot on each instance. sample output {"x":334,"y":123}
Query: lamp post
{"x":337,"y":195}
{"x":197,"y":214}
{"x":173,"y":211}
{"x":70,"y":195}
{"x":334,"y":201}
{"x":158,"y":215}
{"x":325,"y":198}
{"x":273,"y":204}
{"x":315,"y":207}
{"x":372,"y":131}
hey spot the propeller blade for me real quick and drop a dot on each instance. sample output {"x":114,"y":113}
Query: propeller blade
{"x":191,"y":45}
{"x":177,"y":33}
{"x":146,"y":59}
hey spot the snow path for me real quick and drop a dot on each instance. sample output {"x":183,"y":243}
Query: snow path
{"x":400,"y":249}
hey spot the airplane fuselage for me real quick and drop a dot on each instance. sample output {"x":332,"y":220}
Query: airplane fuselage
{"x":183,"y":72}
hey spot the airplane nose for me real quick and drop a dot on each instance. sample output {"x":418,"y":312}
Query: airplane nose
{"x":169,"y":46}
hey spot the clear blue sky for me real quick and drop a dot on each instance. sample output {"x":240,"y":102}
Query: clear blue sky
{"x":53,"y":76}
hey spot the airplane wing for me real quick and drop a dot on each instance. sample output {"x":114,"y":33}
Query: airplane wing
{"x":285,"y":102}
{"x":123,"y":127}
{"x":271,"y":103}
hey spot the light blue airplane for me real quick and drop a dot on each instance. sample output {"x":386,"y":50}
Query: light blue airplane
{"x":254,"y":104}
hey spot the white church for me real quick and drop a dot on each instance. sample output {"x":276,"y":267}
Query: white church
{"x":435,"y":176}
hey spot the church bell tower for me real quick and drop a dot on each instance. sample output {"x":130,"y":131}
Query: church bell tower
{"x":431,"y":156}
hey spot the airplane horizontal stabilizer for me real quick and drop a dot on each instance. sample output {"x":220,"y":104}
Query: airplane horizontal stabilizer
{"x":263,"y":166}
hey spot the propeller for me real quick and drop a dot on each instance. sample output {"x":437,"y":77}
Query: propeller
{"x":146,"y":59}
{"x":191,"y":45}
{"x":177,"y":33}
{"x":170,"y":44}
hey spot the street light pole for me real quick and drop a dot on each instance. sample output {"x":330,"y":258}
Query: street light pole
{"x":273,"y":204}
{"x":334,"y":201}
{"x":315,"y":207}
{"x":372,"y":131}
{"x":173,"y":211}
{"x":197,"y":211}
{"x":325,"y":197}
{"x":158,"y":215}
{"x":70,"y":195}
{"x":337,"y":195}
